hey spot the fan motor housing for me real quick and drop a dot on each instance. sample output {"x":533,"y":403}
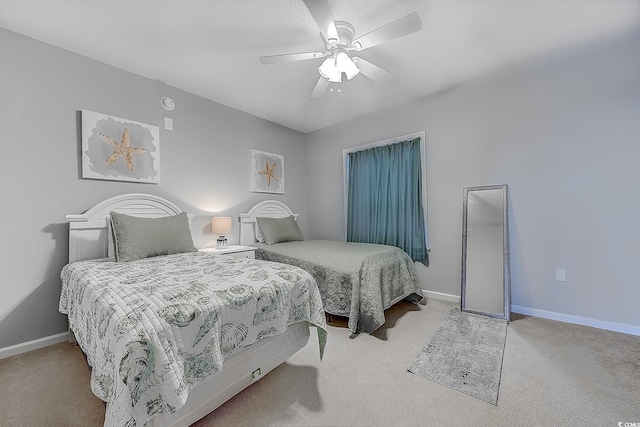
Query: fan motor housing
{"x":346,"y":33}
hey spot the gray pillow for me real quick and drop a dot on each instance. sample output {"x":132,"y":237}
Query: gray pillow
{"x":278,"y":230}
{"x":137,"y":238}
{"x":111,"y":254}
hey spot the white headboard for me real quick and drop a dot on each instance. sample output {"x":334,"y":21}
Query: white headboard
{"x":88,"y":231}
{"x":268,"y":208}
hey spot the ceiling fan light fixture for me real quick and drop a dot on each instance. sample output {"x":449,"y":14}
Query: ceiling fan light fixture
{"x":346,"y":65}
{"x":339,"y":41}
{"x":329,"y":70}
{"x":342,"y":61}
{"x":336,"y":77}
{"x":351,"y":74}
{"x":328,"y":67}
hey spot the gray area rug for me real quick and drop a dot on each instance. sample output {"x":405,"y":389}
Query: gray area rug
{"x":465,"y":353}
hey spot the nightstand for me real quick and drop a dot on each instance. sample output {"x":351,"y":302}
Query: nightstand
{"x":233,"y":250}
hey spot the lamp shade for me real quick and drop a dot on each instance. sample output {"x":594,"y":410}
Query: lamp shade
{"x":330,"y":71}
{"x":328,"y":67}
{"x":336,"y":77}
{"x":346,"y":65}
{"x":221,"y":224}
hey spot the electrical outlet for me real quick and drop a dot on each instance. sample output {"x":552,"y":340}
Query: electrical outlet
{"x":256,"y":374}
{"x":561,"y":275}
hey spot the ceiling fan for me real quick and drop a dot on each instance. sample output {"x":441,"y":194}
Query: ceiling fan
{"x":339,"y":42}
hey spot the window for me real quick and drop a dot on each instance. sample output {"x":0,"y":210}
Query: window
{"x":385,"y":194}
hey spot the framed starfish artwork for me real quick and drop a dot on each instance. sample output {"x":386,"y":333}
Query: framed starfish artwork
{"x":267,"y":172}
{"x":119,"y":149}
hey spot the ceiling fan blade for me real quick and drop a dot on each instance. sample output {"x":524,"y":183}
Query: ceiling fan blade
{"x":393,"y":30}
{"x":290,"y":57}
{"x":321,"y":88}
{"x":374,"y":72}
{"x":322,"y":15}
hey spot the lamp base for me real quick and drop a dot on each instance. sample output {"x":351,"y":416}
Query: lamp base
{"x":222,"y":242}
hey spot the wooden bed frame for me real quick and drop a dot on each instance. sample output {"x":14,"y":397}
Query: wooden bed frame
{"x":88,"y":239}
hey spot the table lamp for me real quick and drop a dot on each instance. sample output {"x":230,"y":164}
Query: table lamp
{"x":221,"y":225}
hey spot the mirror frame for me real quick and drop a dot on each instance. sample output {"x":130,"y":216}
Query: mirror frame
{"x":506,"y":274}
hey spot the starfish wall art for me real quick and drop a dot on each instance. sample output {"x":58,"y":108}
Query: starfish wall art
{"x":267,"y":172}
{"x":119,"y":149}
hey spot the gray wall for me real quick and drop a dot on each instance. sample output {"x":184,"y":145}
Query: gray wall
{"x":564,"y":134}
{"x":204,"y":167}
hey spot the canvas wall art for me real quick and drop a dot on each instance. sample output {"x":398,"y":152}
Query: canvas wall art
{"x":267,"y":172}
{"x":119,"y":149}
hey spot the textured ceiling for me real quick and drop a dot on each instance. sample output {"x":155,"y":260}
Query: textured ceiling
{"x":212,"y":47}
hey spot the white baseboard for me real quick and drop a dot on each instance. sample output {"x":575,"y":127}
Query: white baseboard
{"x":561,"y":317}
{"x":441,"y":296}
{"x":586,"y":321}
{"x":33,"y":345}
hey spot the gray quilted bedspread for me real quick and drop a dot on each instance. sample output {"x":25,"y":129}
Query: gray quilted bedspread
{"x":152,"y":328}
{"x":357,"y":280}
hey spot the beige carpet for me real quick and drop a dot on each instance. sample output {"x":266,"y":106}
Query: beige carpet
{"x":553,"y":374}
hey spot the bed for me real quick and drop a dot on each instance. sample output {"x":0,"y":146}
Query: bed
{"x":356,"y":280}
{"x":172,"y":337}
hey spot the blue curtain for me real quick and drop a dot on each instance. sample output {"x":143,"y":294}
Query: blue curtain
{"x":385,"y":197}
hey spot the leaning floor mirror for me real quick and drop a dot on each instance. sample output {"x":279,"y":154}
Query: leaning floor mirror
{"x":485,"y":252}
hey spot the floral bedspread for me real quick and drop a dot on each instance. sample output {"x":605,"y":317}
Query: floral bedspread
{"x":152,"y":328}
{"x":356,"y":280}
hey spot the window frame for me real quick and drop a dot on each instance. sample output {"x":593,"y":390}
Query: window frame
{"x":423,"y":170}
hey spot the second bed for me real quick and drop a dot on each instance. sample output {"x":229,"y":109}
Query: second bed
{"x":356,"y":280}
